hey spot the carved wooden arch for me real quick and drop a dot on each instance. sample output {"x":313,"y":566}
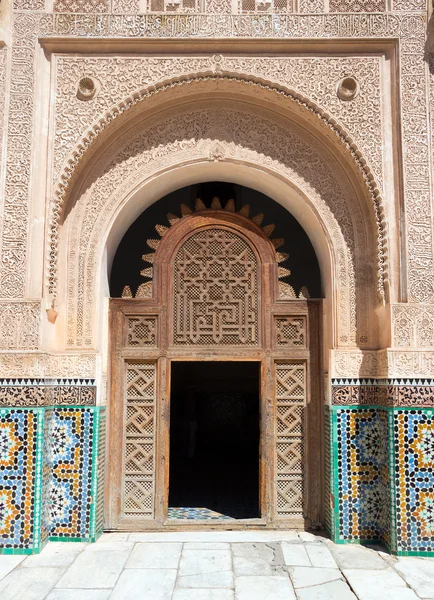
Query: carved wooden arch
{"x":131,"y":173}
{"x":117,"y":117}
{"x":143,"y":346}
{"x":208,"y":222}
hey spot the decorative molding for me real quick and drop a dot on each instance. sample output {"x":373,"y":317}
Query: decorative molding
{"x":43,"y":365}
{"x":383,"y":395}
{"x":281,"y":26}
{"x":47,"y":395}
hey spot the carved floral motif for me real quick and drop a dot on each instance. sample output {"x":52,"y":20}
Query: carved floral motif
{"x":413,"y":326}
{"x":19,"y":325}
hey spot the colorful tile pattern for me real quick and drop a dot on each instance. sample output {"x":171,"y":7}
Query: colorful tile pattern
{"x":19,"y":486}
{"x":362,"y":474}
{"x":71,"y":472}
{"x":194,"y":514}
{"x":414,"y":480}
{"x":49,"y":480}
{"x":379,"y":468}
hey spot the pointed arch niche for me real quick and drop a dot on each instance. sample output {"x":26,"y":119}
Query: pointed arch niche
{"x":216,"y":292}
{"x":217,"y":129}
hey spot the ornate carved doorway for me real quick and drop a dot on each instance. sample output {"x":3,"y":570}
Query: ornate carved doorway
{"x":214,"y":294}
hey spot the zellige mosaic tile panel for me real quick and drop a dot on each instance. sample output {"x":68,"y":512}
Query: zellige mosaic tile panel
{"x":414,"y":480}
{"x":362,"y":479}
{"x":71,"y":472}
{"x":20,"y":454}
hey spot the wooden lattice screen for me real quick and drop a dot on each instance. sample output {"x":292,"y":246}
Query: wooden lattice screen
{"x":216,"y":290}
{"x":139,"y":444}
{"x":290,"y":403}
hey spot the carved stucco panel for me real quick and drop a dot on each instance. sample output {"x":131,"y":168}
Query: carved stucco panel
{"x":310,"y":26}
{"x":3,"y":68}
{"x":311,"y":6}
{"x":19,"y":325}
{"x":18,"y":159}
{"x":18,"y":364}
{"x":382,"y":363}
{"x":356,"y":363}
{"x":416,"y":150}
{"x":241,"y":136}
{"x":315,"y":78}
{"x":411,"y":30}
{"x":413,"y":326}
{"x":409,"y":5}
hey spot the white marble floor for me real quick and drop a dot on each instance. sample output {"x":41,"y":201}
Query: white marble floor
{"x":249,"y":565}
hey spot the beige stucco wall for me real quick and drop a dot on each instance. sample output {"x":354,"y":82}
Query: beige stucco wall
{"x":182,"y":99}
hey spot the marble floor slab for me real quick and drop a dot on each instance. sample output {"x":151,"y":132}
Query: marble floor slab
{"x":214,"y":565}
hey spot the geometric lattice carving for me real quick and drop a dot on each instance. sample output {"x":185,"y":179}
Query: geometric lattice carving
{"x":139,"y":444}
{"x":290,"y":403}
{"x":142,"y":331}
{"x":270,"y":6}
{"x":182,"y":6}
{"x":80,"y":6}
{"x":290,"y":331}
{"x":216,"y":290}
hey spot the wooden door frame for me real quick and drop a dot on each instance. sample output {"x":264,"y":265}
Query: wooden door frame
{"x":266,"y":351}
{"x":120,"y":309}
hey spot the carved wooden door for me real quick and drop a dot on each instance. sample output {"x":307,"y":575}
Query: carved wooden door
{"x":215,"y":295}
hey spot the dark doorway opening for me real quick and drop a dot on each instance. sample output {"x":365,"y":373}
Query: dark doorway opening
{"x":214,"y":440}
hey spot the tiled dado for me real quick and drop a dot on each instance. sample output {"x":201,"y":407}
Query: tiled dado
{"x":380,"y":466}
{"x":47,"y":392}
{"x":51,"y":472}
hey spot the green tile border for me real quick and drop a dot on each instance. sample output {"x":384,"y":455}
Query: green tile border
{"x":39,"y":484}
{"x":69,"y":539}
{"x":13,"y":551}
{"x":391,"y":465}
{"x":95,"y":472}
{"x":334,"y":482}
